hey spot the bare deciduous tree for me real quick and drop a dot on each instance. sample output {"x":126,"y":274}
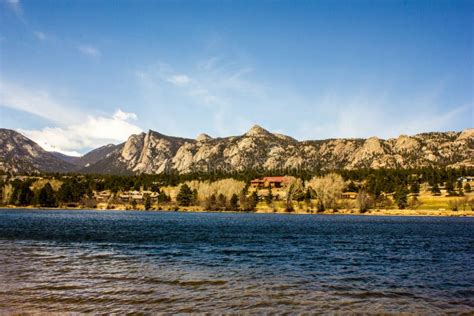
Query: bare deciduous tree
{"x":328,"y":189}
{"x":364,"y":201}
{"x":226,"y":187}
{"x":294,"y":186}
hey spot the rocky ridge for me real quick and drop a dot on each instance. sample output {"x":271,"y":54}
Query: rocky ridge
{"x":155,"y":153}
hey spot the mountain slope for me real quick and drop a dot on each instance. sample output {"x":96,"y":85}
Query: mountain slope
{"x":95,"y":155}
{"x":19,"y":154}
{"x":153,"y":152}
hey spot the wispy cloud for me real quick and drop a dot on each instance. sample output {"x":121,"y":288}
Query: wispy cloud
{"x":229,"y":99}
{"x":89,"y":51}
{"x":212,"y":86}
{"x":40,"y":35}
{"x":179,"y":80}
{"x":15,"y":6}
{"x":71,"y":130}
{"x":36,"y":101}
{"x":372,"y":113}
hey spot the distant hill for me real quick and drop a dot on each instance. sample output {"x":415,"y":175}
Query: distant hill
{"x":19,"y":154}
{"x":153,"y":152}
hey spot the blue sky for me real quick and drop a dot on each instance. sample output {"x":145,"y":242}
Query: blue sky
{"x":79,"y":74}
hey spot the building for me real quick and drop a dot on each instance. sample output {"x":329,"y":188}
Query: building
{"x":349,"y":195}
{"x":268,"y":182}
{"x":466,"y":179}
{"x":103,"y":196}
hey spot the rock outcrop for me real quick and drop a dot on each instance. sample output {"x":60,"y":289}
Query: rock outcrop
{"x":258,"y":148}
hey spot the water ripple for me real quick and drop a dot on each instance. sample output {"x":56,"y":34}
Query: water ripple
{"x":144,"y":262}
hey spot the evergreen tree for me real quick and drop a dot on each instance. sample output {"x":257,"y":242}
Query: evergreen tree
{"x":255,"y":198}
{"x":450,"y":188}
{"x":401,"y":197}
{"x":222,"y":202}
{"x":211,"y":203}
{"x":22,"y":194}
{"x":185,"y":195}
{"x":308,"y":195}
{"x":435,"y":189}
{"x":460,"y":190}
{"x":415,"y":187}
{"x":163,"y":197}
{"x":234,"y":202}
{"x":47,"y":196}
{"x":155,"y":188}
{"x":467,"y":188}
{"x":147,"y":202}
{"x":351,"y":187}
{"x":269,"y":196}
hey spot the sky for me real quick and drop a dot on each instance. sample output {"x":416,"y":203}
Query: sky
{"x":75,"y":75}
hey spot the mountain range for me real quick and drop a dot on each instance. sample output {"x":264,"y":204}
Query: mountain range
{"x":258,"y":148}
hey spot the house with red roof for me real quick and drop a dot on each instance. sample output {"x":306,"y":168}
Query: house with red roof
{"x":268,"y":182}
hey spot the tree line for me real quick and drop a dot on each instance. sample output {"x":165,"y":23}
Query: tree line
{"x":373,"y":185}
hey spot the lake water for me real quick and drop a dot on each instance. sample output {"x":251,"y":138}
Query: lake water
{"x":106,"y":261}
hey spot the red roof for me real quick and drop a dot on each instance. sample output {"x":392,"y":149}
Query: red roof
{"x":274,"y":179}
{"x":269,"y":179}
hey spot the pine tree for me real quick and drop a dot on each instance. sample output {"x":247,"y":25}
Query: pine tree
{"x":185,"y":195}
{"x":221,"y":201}
{"x":255,"y":199}
{"x":401,"y":197}
{"x":450,"y":188}
{"x":435,"y":189}
{"x":47,"y":196}
{"x":163,"y":197}
{"x":269,"y":196}
{"x":467,"y":188}
{"x":415,"y":188}
{"x":147,"y":202}
{"x":234,"y":202}
{"x":351,"y":187}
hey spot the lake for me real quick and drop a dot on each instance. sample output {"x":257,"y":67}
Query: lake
{"x":124,"y":261}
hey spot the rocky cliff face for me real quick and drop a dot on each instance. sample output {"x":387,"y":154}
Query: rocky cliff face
{"x":153,"y":152}
{"x":19,"y":154}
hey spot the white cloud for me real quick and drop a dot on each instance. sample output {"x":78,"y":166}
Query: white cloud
{"x":89,"y":51}
{"x":40,"y":35}
{"x":37,"y":102}
{"x":123,"y":116}
{"x":15,"y":6}
{"x":95,"y":131}
{"x":179,"y":80}
{"x":73,"y":130}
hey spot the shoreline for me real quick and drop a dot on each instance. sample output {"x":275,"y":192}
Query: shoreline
{"x":372,"y":212}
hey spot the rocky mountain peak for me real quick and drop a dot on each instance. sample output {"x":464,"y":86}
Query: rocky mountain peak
{"x":468,"y":133}
{"x":203,"y":137}
{"x":258,"y":131}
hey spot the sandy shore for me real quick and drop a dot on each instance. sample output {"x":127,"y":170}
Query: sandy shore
{"x":372,"y":212}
